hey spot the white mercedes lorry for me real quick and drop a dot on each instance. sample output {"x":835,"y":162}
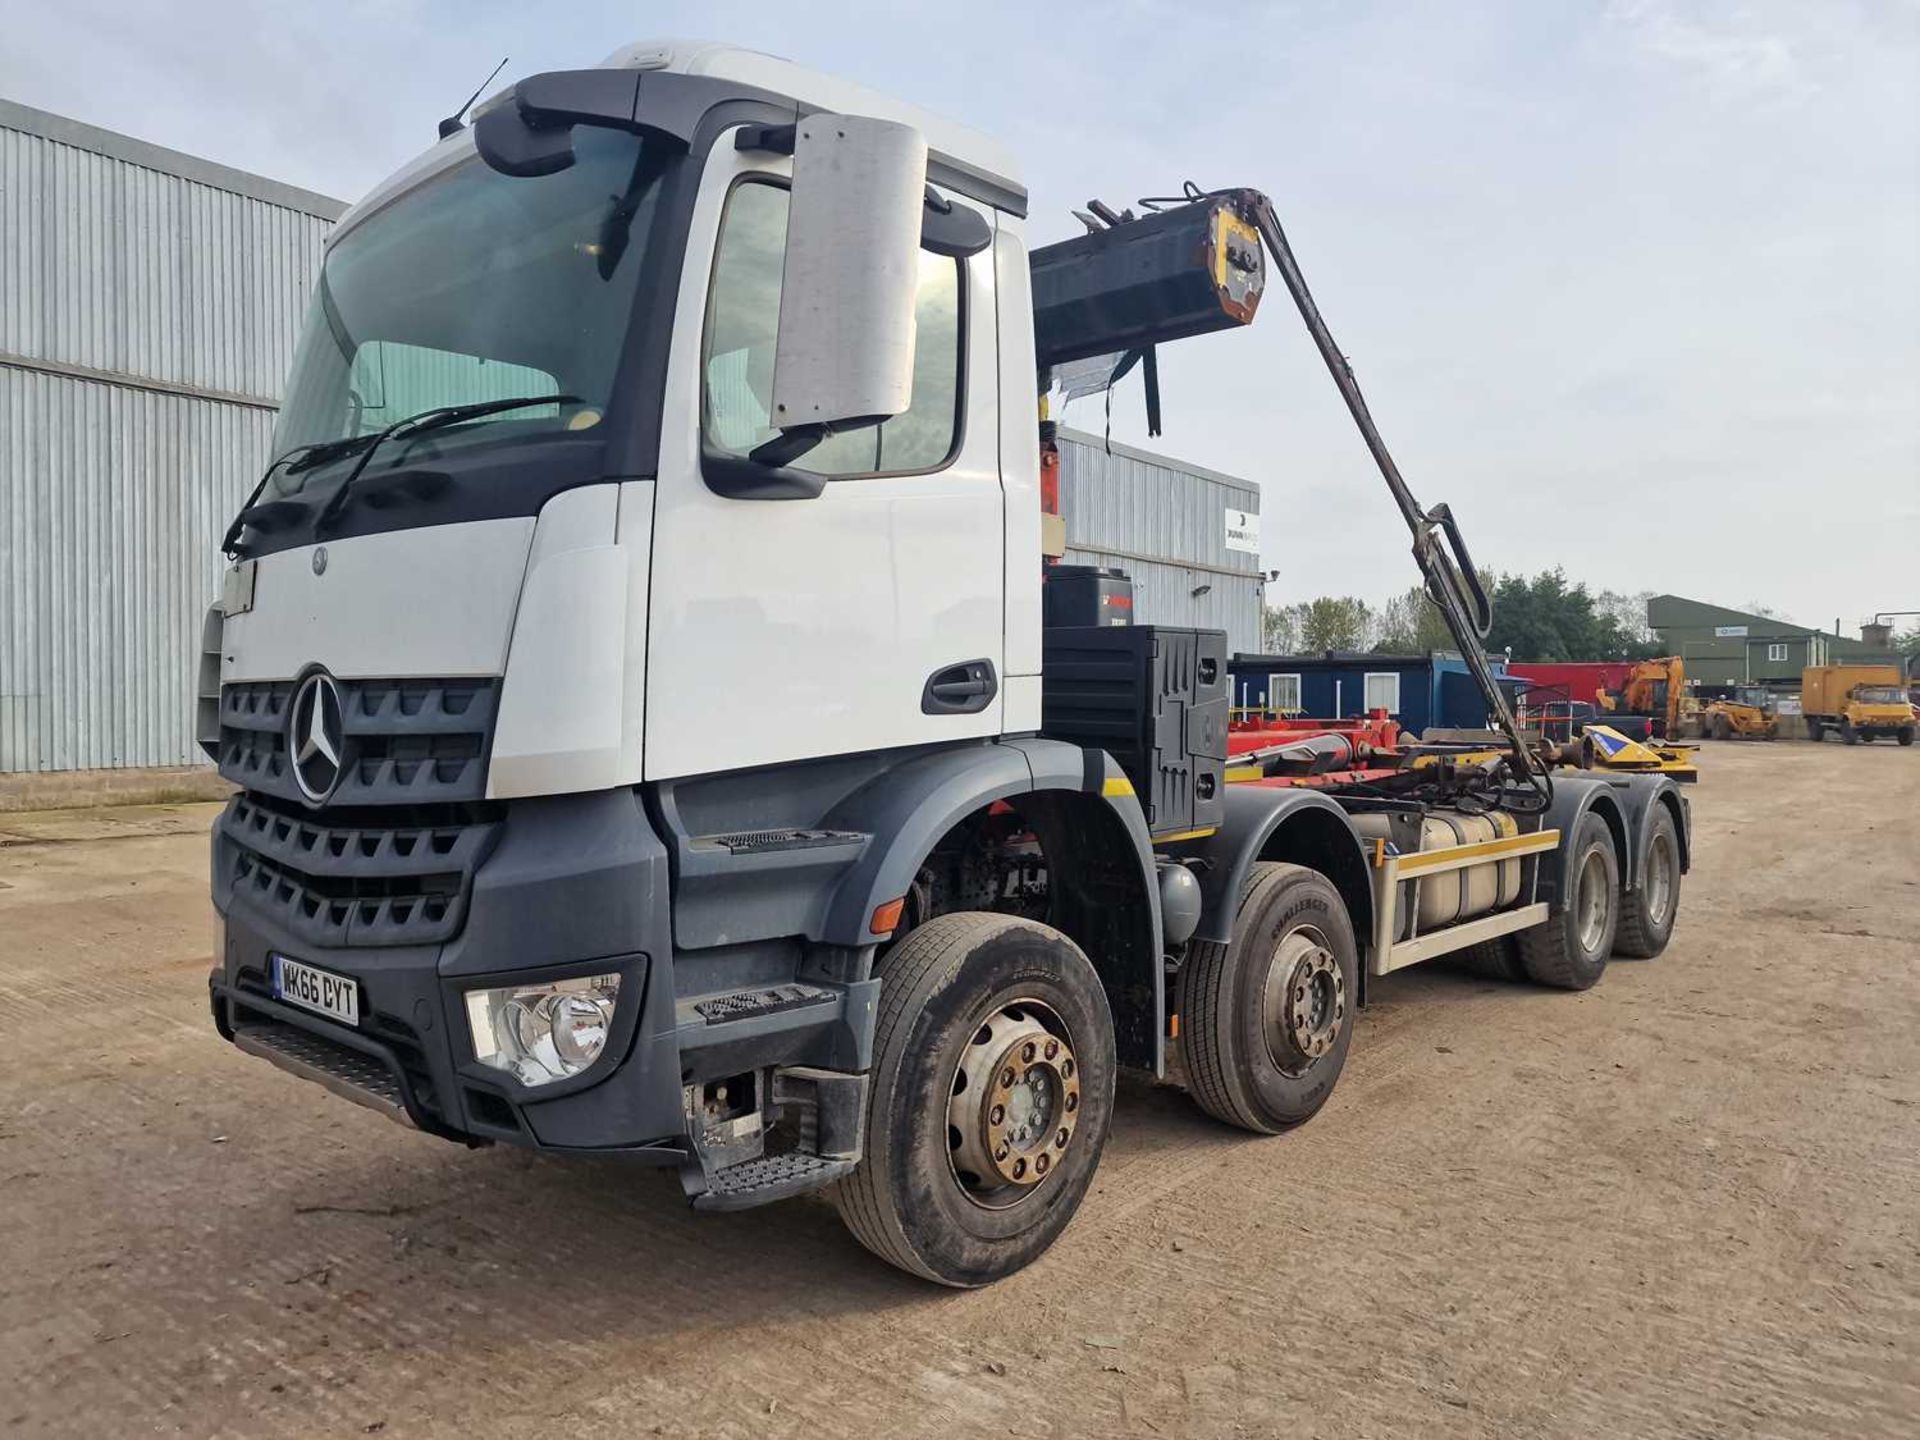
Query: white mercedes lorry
{"x":648,"y":742}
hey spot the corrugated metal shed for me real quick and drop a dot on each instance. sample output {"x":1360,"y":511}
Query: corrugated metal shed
{"x":1166,"y":524}
{"x":149,"y":304}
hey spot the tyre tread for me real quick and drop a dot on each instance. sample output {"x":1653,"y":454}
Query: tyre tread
{"x":1546,"y":951}
{"x":1204,"y":1047}
{"x":909,"y":971}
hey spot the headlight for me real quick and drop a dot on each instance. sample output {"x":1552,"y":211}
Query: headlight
{"x":542,"y":1033}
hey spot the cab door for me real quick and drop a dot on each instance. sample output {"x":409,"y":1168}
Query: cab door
{"x":867,"y":618}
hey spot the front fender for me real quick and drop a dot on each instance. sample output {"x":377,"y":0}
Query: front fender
{"x":908,"y":809}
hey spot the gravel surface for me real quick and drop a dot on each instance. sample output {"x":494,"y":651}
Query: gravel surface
{"x":1684,"y":1203}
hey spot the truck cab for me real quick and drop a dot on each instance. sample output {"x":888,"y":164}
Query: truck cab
{"x":646,"y":740}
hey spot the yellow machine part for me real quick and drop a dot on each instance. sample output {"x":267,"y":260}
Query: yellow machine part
{"x":1614,"y":751}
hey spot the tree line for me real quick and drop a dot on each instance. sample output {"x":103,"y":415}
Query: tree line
{"x":1543,"y":618}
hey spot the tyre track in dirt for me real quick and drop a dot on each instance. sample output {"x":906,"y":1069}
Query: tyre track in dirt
{"x":1682,"y":1204}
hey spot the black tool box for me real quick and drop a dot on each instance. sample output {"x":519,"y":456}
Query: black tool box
{"x":1155,"y":698}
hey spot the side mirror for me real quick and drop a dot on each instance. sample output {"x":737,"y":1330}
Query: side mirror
{"x":843,"y":357}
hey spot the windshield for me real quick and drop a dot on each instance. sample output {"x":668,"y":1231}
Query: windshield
{"x":1880,"y":695}
{"x":478,"y":286}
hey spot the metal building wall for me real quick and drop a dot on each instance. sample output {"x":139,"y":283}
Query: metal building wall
{"x":1164,"y":523}
{"x":149,"y":304}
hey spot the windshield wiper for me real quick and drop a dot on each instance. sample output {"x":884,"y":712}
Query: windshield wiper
{"x":300,"y":457}
{"x":435,"y":419}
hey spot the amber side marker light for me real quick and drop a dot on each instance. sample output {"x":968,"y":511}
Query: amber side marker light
{"x":886,"y":918}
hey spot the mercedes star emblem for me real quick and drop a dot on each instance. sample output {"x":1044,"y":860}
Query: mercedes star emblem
{"x":319,"y":559}
{"x":316,"y":736}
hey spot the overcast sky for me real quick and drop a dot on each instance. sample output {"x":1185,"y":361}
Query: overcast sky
{"x":1632,"y":283}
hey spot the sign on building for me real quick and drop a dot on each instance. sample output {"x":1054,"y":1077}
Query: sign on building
{"x":1243,"y":531}
{"x":1729,"y":632}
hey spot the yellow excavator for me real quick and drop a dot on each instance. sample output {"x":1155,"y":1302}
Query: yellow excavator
{"x":1653,"y":688}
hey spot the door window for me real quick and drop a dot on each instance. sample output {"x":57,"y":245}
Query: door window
{"x":737,"y":361}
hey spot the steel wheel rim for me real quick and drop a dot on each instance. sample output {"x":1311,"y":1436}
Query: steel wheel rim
{"x":1013,"y":1104}
{"x":1660,"y":870}
{"x":1303,"y":1000}
{"x":1591,"y":899}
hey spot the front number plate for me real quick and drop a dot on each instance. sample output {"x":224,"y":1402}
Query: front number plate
{"x":334,"y":996}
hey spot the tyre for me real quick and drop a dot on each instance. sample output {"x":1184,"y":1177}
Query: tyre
{"x":1814,"y":732}
{"x":1493,"y":959}
{"x":990,"y":1098}
{"x":1722,"y":728}
{"x":1904,"y":734}
{"x":1647,"y":915}
{"x":1569,"y":952}
{"x":1266,"y":1021}
{"x":1847,"y":733}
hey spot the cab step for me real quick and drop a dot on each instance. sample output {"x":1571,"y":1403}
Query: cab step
{"x":745,"y":1004}
{"x":762,"y":1181}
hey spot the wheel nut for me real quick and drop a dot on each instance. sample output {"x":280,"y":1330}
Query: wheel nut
{"x":1000,"y":1153}
{"x":1006,"y":1078}
{"x":1027,"y":1052}
{"x":996,"y":1115}
{"x":1053,"y":1048}
{"x":1041,"y":1161}
{"x":1066,"y":1069}
{"x":1019,"y":1168}
{"x":1073,"y":1103}
{"x":1061,"y":1138}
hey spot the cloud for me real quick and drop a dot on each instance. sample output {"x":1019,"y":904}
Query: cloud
{"x":1727,"y":46}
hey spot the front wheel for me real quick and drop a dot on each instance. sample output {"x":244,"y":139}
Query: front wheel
{"x":1266,"y":1021}
{"x":1848,"y":734}
{"x":1905,"y":735}
{"x":990,"y":1098}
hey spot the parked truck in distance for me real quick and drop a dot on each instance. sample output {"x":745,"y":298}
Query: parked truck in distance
{"x":1856,"y":702}
{"x":696,"y":370}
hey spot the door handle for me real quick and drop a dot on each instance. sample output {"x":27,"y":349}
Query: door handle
{"x":963,"y":689}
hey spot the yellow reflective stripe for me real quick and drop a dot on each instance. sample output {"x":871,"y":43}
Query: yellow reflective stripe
{"x":1185,"y":835}
{"x":1115,"y":785}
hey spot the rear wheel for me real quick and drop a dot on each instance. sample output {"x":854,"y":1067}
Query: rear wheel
{"x":991,"y":1093}
{"x":1722,"y":728}
{"x":1848,"y":733}
{"x":1814,"y":732}
{"x":1569,"y":952}
{"x":1647,"y":915}
{"x":1266,"y":1021}
{"x":1493,"y":959}
{"x":1905,"y":734}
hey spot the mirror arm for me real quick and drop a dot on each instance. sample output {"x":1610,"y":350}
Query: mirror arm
{"x":740,"y":477}
{"x":790,"y":444}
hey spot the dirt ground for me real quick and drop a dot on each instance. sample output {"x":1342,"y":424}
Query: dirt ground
{"x":1684,"y":1203}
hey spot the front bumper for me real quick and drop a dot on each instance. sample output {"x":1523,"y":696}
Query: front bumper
{"x":572,"y":885}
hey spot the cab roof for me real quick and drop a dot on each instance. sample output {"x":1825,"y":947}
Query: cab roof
{"x":815,"y":89}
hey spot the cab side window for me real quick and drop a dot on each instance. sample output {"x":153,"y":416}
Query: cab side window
{"x":737,"y":359}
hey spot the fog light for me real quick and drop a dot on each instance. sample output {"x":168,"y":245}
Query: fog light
{"x":542,"y":1033}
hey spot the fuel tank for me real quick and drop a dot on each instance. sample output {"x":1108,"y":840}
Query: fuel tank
{"x":1453,"y":895}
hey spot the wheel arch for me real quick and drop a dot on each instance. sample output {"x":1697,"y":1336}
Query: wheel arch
{"x":1299,"y":827}
{"x":1574,"y":798}
{"x":1090,"y":828}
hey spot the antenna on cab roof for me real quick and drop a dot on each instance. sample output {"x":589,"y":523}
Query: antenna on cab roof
{"x":456,"y":122}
